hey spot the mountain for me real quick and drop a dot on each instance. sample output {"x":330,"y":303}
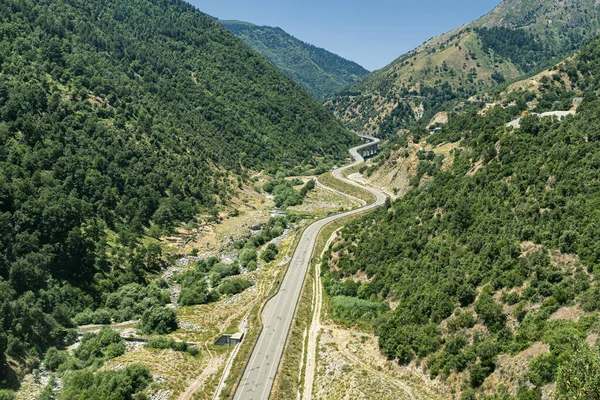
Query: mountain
{"x":517,"y":38}
{"x":319,"y":71}
{"x":118,"y":119}
{"x":491,"y":259}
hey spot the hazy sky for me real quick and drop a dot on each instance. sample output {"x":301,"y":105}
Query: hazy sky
{"x":372,"y":33}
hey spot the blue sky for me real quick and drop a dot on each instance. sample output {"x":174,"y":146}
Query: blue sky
{"x":372,"y":33}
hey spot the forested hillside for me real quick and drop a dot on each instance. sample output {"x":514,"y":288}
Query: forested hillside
{"x":119,"y":119}
{"x":492,"y":264}
{"x":515,"y":39}
{"x":319,"y":71}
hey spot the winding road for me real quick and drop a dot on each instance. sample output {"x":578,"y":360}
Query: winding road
{"x":259,"y":375}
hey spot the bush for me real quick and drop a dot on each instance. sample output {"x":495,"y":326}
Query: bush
{"x":3,"y":346}
{"x":270,"y":253}
{"x":462,"y":320}
{"x":478,"y":374}
{"x":510,"y":298}
{"x":252,"y":266}
{"x":490,"y":311}
{"x":54,"y":359}
{"x":234,"y":286}
{"x":579,"y":377}
{"x":95,"y":348}
{"x":164,"y":343}
{"x":197,"y":294}
{"x":101,"y":317}
{"x":7,"y":395}
{"x":468,"y":395}
{"x":247,"y":255}
{"x":194,"y":289}
{"x":14,"y":346}
{"x":542,"y":369}
{"x":352,"y":309}
{"x":121,"y":385}
{"x":193,"y":296}
{"x":225,"y":270}
{"x":466,"y":294}
{"x":83,"y":318}
{"x":158,"y":320}
{"x":48,"y":392}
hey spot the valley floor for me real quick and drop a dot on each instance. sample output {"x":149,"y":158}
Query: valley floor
{"x":178,"y":375}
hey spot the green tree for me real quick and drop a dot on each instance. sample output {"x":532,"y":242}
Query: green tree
{"x":247,"y":255}
{"x":54,"y":359}
{"x":579,"y":377}
{"x":270,"y":253}
{"x":158,"y":320}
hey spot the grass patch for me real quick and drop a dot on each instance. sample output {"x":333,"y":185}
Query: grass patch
{"x":328,"y":180}
{"x":352,"y":170}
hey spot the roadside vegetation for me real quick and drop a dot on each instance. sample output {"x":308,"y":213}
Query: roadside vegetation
{"x":328,"y":180}
{"x":284,"y":192}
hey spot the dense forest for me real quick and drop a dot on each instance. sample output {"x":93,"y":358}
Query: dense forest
{"x":478,"y":256}
{"x":319,"y":71}
{"x":518,"y":46}
{"x":117,"y":120}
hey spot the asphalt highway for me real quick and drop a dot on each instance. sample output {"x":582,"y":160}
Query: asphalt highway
{"x":278,"y":313}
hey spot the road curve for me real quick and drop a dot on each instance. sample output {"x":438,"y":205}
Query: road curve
{"x":259,"y":375}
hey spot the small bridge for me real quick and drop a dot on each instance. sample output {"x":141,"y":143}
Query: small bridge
{"x":369,"y":151}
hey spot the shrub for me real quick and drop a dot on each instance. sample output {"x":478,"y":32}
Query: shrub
{"x":158,"y":320}
{"x":270,"y":253}
{"x":101,"y":317}
{"x":510,"y":298}
{"x":466,"y":294}
{"x":122,"y":385}
{"x":247,"y":255}
{"x":164,"y":343}
{"x":3,"y":346}
{"x":579,"y":377}
{"x":225,"y":270}
{"x":490,"y":311}
{"x":352,"y":309}
{"x":14,"y":346}
{"x":478,"y":374}
{"x":7,"y":395}
{"x":462,"y":320}
{"x":54,"y":359}
{"x":194,"y":289}
{"x":542,"y":369}
{"x":95,"y":348}
{"x":468,"y":395}
{"x":252,"y":266}
{"x":234,"y":286}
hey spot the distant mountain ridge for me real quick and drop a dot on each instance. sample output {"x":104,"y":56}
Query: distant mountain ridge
{"x":319,"y":71}
{"x":517,"y":38}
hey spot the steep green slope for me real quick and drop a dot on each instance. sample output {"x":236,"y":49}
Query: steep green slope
{"x":494,"y":262}
{"x":319,"y":71}
{"x":125,"y":116}
{"x":516,"y":38}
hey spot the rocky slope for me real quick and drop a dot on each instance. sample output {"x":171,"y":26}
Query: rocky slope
{"x":515,"y":39}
